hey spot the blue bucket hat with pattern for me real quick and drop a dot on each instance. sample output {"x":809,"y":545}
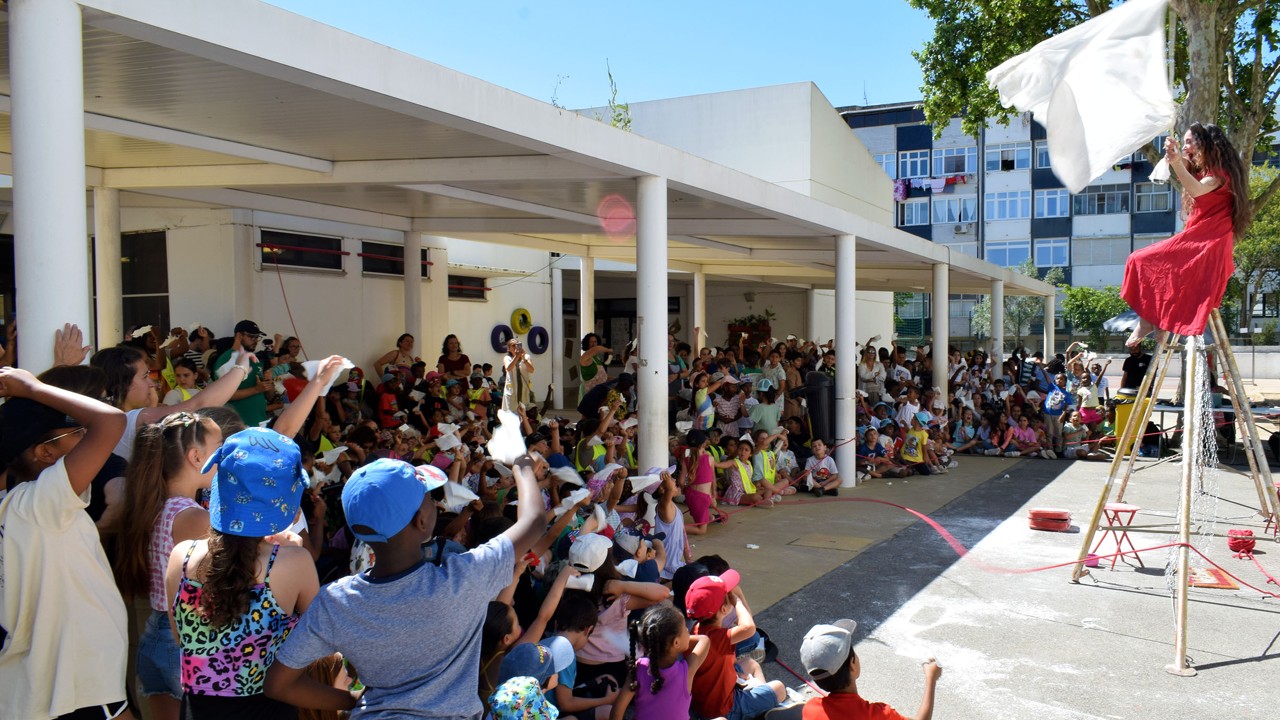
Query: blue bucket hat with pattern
{"x":259,"y":483}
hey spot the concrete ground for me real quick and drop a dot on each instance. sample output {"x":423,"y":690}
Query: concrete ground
{"x":1012,"y":645}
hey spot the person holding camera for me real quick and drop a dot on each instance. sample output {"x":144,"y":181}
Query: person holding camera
{"x":517,"y":368}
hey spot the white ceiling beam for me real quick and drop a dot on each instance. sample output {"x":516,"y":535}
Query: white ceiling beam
{"x":765,"y":271}
{"x":717,"y":245}
{"x":531,"y":242}
{"x":519,"y":168}
{"x":506,"y":203}
{"x":224,"y":197}
{"x":155,"y":133}
{"x":524,"y":225}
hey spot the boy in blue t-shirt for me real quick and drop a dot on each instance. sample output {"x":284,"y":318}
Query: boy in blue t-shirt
{"x":411,"y":627}
{"x":1057,"y":404}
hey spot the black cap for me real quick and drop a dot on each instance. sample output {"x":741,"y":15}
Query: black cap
{"x":26,"y":422}
{"x":249,"y":327}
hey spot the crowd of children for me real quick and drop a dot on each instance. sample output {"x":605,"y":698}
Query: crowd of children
{"x":295,"y":537}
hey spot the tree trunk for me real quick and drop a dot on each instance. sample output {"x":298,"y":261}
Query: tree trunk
{"x":1204,"y":61}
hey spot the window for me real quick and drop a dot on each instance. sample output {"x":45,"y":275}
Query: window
{"x":888,"y":163}
{"x":386,"y":259}
{"x":144,"y":279}
{"x":1008,"y":205}
{"x":913,"y":163}
{"x":955,"y":161}
{"x":316,"y":252}
{"x":1150,"y":197}
{"x":1008,"y":156}
{"x":1008,"y":253}
{"x":1052,"y":252}
{"x":1052,"y":203}
{"x":914,"y":212}
{"x":1042,"y":154}
{"x":465,"y":287}
{"x":955,"y":209}
{"x":1099,"y":251}
{"x":1102,"y":200}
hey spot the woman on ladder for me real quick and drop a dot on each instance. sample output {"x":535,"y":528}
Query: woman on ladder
{"x":1174,"y":284}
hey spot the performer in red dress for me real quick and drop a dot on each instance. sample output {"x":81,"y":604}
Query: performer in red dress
{"x":1174,"y":284}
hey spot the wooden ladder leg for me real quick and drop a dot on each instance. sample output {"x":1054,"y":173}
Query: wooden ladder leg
{"x":1169,"y":347}
{"x":1128,"y":432}
{"x":1261,"y":470}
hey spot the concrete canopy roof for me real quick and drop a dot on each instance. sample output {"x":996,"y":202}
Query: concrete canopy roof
{"x":241,"y":104}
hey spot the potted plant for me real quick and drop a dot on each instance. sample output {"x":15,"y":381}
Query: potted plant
{"x":756,"y":327}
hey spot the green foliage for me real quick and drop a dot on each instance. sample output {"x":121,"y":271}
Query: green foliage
{"x":1268,"y":334}
{"x":619,"y":113}
{"x":1257,"y":253}
{"x":1231,"y":44}
{"x":1085,"y":309}
{"x":757,"y":320}
{"x":1021,"y":311}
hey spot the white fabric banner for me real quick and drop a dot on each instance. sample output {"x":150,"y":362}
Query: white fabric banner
{"x":1100,"y":89}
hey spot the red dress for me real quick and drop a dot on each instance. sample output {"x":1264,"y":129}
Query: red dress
{"x":1175,"y":283}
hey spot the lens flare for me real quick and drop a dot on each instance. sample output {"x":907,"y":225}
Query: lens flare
{"x":616,"y":216}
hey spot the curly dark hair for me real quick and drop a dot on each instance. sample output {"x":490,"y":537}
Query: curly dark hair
{"x":1219,"y":157}
{"x":232,"y":573}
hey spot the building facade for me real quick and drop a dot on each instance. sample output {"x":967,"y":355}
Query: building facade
{"x":994,"y":196}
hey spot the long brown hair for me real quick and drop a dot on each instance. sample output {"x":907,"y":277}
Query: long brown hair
{"x":117,"y":362}
{"x":1220,"y":159}
{"x":232,"y":573}
{"x":158,"y":455}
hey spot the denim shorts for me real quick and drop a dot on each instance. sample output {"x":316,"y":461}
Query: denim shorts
{"x":752,"y":702}
{"x":159,"y":658}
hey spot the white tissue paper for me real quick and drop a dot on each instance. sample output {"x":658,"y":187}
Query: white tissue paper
{"x":1160,"y":173}
{"x":572,"y":499}
{"x":457,"y":496}
{"x":567,"y":475}
{"x":140,"y":332}
{"x":448,"y":442}
{"x":507,"y":444}
{"x":417,"y":395}
{"x":312,"y":368}
{"x":645,"y":483}
{"x":330,"y":457}
{"x":601,"y":520}
{"x":447,"y":428}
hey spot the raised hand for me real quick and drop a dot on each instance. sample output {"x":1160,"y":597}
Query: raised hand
{"x":67,"y":348}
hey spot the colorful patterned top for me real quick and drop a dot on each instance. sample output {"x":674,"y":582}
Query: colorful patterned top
{"x":231,"y":661}
{"x":161,"y":545}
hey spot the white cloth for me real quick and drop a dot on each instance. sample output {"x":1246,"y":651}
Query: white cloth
{"x":67,"y":640}
{"x":1100,"y":89}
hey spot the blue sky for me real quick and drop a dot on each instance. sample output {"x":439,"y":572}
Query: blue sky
{"x":656,"y":49}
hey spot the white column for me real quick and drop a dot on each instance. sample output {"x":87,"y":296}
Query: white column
{"x":556,"y":350}
{"x":846,"y":361}
{"x":1049,"y":312}
{"x":434,"y":320}
{"x":587,"y":297}
{"x":997,"y":323}
{"x":47,"y":123}
{"x":106,"y":267}
{"x":941,"y":325}
{"x":699,"y":308}
{"x":651,"y":314}
{"x":413,"y":288}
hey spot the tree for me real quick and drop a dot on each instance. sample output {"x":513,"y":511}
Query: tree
{"x":1226,"y":64}
{"x":1257,"y":253}
{"x":1085,"y":309}
{"x":1020,"y":311}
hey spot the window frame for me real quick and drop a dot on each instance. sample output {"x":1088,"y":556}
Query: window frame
{"x":1005,"y":246}
{"x":1043,"y":161}
{"x":468,"y":287}
{"x":967,"y":153}
{"x":888,"y":162}
{"x":1014,"y":148}
{"x":387,"y":259}
{"x":961,"y":201}
{"x":1061,"y":198}
{"x":293,"y":250}
{"x":1112,"y":198}
{"x":1159,"y":192}
{"x":992,"y":201}
{"x":914,"y":203}
{"x":1052,"y":244}
{"x":917,"y":159}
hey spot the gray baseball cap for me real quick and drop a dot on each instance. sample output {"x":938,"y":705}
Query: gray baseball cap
{"x":826,"y":648}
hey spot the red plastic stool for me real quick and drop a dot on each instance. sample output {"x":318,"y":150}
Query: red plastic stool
{"x":1273,"y":524}
{"x":1119,"y":517}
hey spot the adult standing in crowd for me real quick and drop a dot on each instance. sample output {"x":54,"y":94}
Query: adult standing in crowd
{"x":250,"y":398}
{"x":517,"y":368}
{"x":453,"y":363}
{"x":591,"y":364}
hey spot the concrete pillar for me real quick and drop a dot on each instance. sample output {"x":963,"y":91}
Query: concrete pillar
{"x":106,"y":267}
{"x":587,"y":297}
{"x":1049,"y":315}
{"x":557,"y":334}
{"x":846,"y":453}
{"x":941,"y":325}
{"x":435,"y":321}
{"x":651,"y":313}
{"x":997,"y":323}
{"x":699,"y":309}
{"x":413,"y":290}
{"x":47,"y":126}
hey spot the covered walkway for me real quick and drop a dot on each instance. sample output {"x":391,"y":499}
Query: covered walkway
{"x":243,"y":106}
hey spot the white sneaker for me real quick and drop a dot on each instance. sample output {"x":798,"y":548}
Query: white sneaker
{"x":1013,"y":453}
{"x":1051,"y":454}
{"x":862,"y":476}
{"x":991,"y":452}
{"x":953,"y":464}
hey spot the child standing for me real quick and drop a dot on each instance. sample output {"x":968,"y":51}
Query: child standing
{"x":661,"y":683}
{"x":700,"y":482}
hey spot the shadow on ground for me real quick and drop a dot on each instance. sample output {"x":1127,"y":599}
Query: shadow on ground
{"x":872,"y":586}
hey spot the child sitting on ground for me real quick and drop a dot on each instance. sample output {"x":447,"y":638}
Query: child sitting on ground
{"x":823,"y":479}
{"x":829,"y":658}
{"x":661,"y":682}
{"x":741,"y":489}
{"x":715,"y":685}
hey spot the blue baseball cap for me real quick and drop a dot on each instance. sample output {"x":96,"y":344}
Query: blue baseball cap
{"x":382,"y":497}
{"x":259,"y":483}
{"x":923,"y":417}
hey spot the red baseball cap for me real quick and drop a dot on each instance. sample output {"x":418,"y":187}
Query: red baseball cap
{"x":706,"y":595}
